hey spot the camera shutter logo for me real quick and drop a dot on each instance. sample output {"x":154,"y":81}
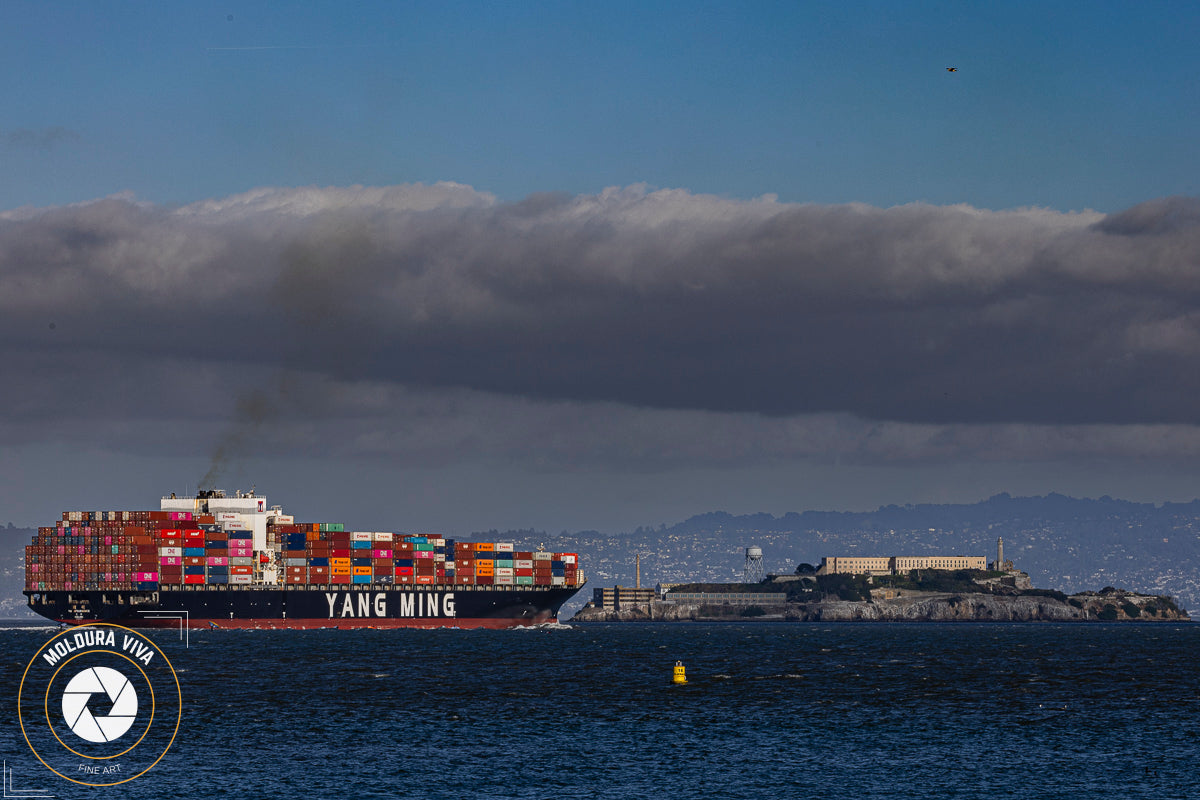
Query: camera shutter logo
{"x":103,"y":681}
{"x":99,"y":704}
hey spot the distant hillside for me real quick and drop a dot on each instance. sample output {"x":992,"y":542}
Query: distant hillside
{"x":12,"y":572}
{"x":1063,"y":543}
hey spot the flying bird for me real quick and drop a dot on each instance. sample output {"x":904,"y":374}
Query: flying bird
{"x":951,"y":69}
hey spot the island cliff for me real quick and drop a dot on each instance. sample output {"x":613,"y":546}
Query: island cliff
{"x":916,"y":606}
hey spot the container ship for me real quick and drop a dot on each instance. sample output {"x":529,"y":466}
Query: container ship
{"x":218,"y":561}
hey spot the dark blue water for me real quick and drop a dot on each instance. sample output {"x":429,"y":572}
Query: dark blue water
{"x":770,"y":711}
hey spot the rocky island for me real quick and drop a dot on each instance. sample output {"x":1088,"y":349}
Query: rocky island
{"x":929,"y":596}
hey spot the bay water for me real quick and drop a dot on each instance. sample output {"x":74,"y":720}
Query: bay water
{"x":770,"y":710}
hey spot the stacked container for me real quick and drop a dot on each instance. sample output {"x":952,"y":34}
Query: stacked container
{"x":97,"y":550}
{"x":142,"y":550}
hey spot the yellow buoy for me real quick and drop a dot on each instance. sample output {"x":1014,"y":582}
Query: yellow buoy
{"x":680,"y":674}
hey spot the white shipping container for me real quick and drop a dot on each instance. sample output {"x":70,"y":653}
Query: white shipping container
{"x":235,"y":526}
{"x":361,"y":536}
{"x":504,"y":572}
{"x":382,"y":536}
{"x":568,"y":558}
{"x":505,"y":580}
{"x":225,"y":516}
{"x":504,"y":547}
{"x":558,"y":580}
{"x":296,"y":562}
{"x":284,"y":519}
{"x":170,"y":551}
{"x":241,"y":578}
{"x":540,"y":556}
{"x":523,"y":563}
{"x":241,"y":561}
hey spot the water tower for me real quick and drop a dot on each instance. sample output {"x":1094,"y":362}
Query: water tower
{"x":754,"y":566}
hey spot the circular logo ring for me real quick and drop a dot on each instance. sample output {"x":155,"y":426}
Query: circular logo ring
{"x":127,"y":749}
{"x":178,"y":698}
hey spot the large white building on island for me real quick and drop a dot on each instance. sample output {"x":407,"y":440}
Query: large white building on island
{"x":890,"y":565}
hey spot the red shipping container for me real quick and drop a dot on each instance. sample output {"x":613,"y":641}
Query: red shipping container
{"x":241,"y":570}
{"x":193,"y":579}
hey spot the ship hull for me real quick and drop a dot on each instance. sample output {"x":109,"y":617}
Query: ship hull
{"x":297,"y":607}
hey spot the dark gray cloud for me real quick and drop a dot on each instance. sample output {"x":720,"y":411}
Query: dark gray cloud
{"x":894,"y":328}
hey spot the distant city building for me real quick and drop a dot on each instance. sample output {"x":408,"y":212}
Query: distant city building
{"x":888,"y":565}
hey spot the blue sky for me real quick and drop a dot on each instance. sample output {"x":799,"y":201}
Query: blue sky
{"x":1065,"y":105}
{"x":597,"y":265}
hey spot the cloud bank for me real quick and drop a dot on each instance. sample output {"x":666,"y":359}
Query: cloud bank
{"x":633,"y":325}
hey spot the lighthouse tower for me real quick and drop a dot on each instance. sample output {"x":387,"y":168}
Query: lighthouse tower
{"x":1000,"y":564}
